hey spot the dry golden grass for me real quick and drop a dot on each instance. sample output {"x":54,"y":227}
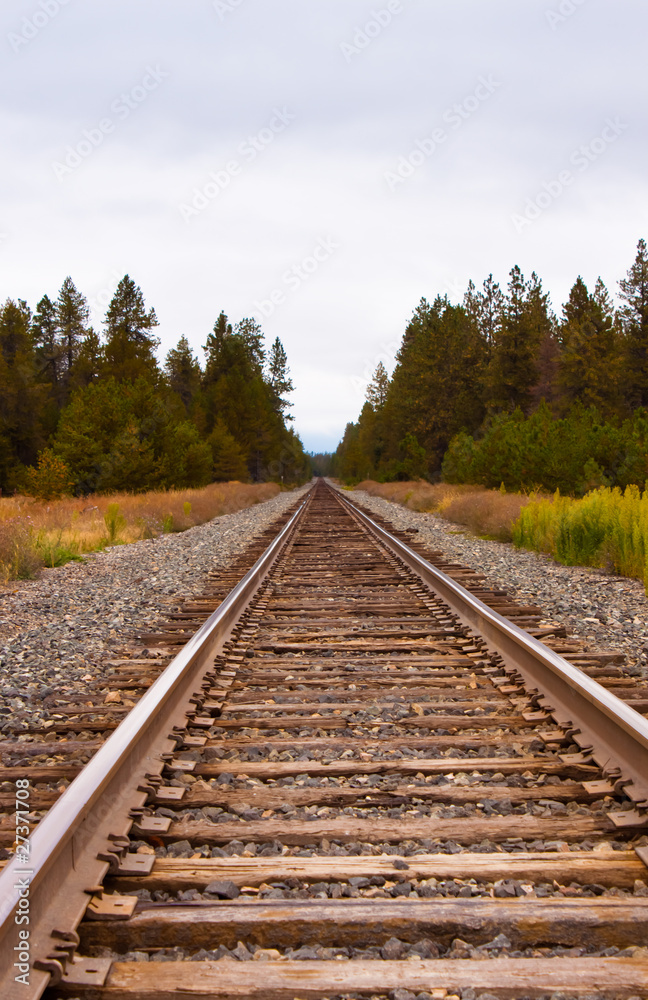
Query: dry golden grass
{"x":487,"y":513}
{"x":34,"y":533}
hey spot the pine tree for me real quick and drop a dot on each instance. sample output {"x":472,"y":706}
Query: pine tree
{"x":20,"y":395}
{"x":228,"y":458}
{"x":634,"y":319}
{"x":251,"y":336}
{"x":214,"y":349}
{"x":437,"y":385}
{"x":242,"y":394}
{"x":588,"y":365}
{"x":72,"y":315}
{"x":278,"y":378}
{"x":377,"y":389}
{"x":369,"y":441}
{"x":183,"y":372}
{"x":541,"y":324}
{"x":513,"y":369}
{"x":185,"y":459}
{"x":130,"y":347}
{"x":491,"y":310}
{"x":351,"y":464}
{"x":46,"y":347}
{"x":123,"y":436}
{"x":89,"y":362}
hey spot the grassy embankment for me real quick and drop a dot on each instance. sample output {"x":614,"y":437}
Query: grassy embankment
{"x":487,"y":513}
{"x":34,"y":533}
{"x":606,"y":529}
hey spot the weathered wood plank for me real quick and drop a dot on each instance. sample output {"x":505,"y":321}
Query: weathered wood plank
{"x":273,"y":797}
{"x":381,"y":744}
{"x":33,"y":749}
{"x":465,"y":830}
{"x":396,"y":665}
{"x":324,"y":619}
{"x":431,"y":765}
{"x":619,"y":868}
{"x":351,"y":646}
{"x":282,"y":631}
{"x":40,"y":772}
{"x":37,"y":800}
{"x":461,"y":704}
{"x":285,"y":923}
{"x":368,"y":682}
{"x":61,"y":726}
{"x":422,"y":722}
{"x":612,"y":978}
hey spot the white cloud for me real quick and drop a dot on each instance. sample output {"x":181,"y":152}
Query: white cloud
{"x":323,"y":176}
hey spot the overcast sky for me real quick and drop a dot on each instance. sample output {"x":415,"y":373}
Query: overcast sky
{"x":318,"y":164}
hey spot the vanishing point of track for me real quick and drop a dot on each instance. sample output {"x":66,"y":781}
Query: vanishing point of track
{"x":354,"y":780}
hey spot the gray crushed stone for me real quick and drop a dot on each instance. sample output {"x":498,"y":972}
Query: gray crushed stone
{"x":393,"y":949}
{"x":64,"y":626}
{"x":609,"y":612}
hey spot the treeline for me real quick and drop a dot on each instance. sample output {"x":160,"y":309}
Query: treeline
{"x":499,"y":389}
{"x":322,"y":463}
{"x":83,"y":413}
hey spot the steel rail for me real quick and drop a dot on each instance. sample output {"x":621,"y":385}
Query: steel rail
{"x":605,"y":727}
{"x":51,"y":885}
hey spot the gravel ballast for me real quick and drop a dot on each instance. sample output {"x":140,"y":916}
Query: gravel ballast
{"x":66,"y":625}
{"x":609,"y":612}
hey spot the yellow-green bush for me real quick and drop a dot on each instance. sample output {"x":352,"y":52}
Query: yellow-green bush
{"x":50,"y":480}
{"x":608,"y":528}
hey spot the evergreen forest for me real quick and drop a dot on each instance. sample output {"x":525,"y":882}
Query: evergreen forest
{"x":82,"y":412}
{"x":499,"y":389}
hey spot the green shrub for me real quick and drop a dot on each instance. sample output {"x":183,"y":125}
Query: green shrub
{"x":53,"y":552}
{"x":114,"y":522}
{"x":575,"y":454}
{"x":19,"y":557}
{"x":607,"y":528}
{"x":50,"y":480}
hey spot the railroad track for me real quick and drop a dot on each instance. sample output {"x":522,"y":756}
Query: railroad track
{"x":354,"y":780}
